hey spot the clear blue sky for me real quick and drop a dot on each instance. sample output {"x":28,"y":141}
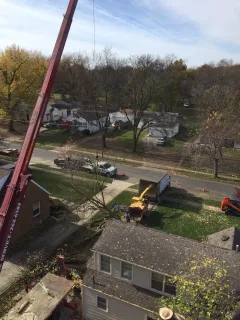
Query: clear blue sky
{"x":196,"y":30}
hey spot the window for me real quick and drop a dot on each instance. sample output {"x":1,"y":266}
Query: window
{"x":163,"y":284}
{"x":126,"y":271}
{"x":157,"y":281}
{"x":106,"y":166}
{"x":105,"y":263}
{"x":36,"y":208}
{"x":102,"y":303}
{"x":169,"y":287}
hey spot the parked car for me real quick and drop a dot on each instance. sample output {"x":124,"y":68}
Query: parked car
{"x":9,"y":152}
{"x":102,"y":167}
{"x":50,"y":125}
{"x":85,"y":164}
{"x":86,"y":132}
{"x":72,"y":163}
{"x":161,"y":141}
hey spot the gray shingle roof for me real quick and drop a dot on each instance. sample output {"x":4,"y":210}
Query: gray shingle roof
{"x":160,"y":251}
{"x":227,"y":239}
{"x":120,"y":289}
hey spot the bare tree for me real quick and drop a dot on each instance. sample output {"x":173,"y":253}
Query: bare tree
{"x":219,"y":109}
{"x":100,"y":90}
{"x":138,"y":85}
{"x":86,"y":191}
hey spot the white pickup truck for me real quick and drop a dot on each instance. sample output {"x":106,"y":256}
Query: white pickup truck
{"x":102,"y":167}
{"x":85,"y":164}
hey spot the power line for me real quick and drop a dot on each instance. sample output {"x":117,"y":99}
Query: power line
{"x":94,"y":31}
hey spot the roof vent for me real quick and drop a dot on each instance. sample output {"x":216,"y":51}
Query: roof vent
{"x":224,"y":237}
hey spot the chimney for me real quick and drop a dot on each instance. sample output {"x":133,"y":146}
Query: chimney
{"x":237,"y":247}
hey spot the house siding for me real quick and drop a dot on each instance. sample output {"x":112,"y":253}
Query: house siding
{"x":119,"y":116}
{"x":54,"y":114}
{"x":159,"y":132}
{"x":26,"y":222}
{"x":117,"y":309}
{"x":141,"y":276}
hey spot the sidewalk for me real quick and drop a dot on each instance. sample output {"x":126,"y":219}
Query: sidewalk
{"x":55,"y":236}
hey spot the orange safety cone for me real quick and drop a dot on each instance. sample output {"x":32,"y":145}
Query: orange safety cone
{"x":177,"y":183}
{"x":204,"y":189}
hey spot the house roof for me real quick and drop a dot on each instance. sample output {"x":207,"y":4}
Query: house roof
{"x":127,"y":111}
{"x":5,"y":176}
{"x":161,"y":117}
{"x":42,"y":300}
{"x":89,"y":113}
{"x":119,"y":289}
{"x":60,"y":106}
{"x":227,"y":239}
{"x":160,"y":251}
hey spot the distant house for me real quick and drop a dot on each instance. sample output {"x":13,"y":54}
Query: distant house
{"x":121,"y":117}
{"x":85,"y":120}
{"x":160,"y":124}
{"x":55,"y":112}
{"x":35,"y":206}
{"x":131,"y":266}
{"x":236,"y":145}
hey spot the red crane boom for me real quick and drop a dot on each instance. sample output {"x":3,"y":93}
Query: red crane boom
{"x":16,"y":189}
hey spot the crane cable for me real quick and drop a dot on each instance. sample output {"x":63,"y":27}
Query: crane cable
{"x":94,"y":32}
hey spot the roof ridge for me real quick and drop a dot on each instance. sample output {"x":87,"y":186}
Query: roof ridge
{"x":156,"y":231}
{"x":204,"y":243}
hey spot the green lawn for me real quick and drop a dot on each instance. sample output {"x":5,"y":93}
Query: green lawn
{"x":135,"y":186}
{"x":231,"y":153}
{"x":54,"y":138}
{"x":182,"y":195}
{"x":188,"y":221}
{"x":176,"y":143}
{"x":124,"y":198}
{"x":74,"y":173}
{"x":62,"y":187}
{"x":182,"y":219}
{"x":124,"y":138}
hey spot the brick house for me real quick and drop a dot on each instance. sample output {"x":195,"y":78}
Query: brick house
{"x":35,"y":206}
{"x":131,"y":266}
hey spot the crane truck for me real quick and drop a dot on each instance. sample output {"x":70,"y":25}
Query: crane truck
{"x":16,"y":189}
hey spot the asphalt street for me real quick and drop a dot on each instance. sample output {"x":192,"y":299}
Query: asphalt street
{"x":133,"y":174}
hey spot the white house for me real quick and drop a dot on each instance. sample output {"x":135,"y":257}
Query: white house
{"x":55,"y":112}
{"x":124,"y":115}
{"x":160,"y":124}
{"x":132,"y":267}
{"x":85,"y":120}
